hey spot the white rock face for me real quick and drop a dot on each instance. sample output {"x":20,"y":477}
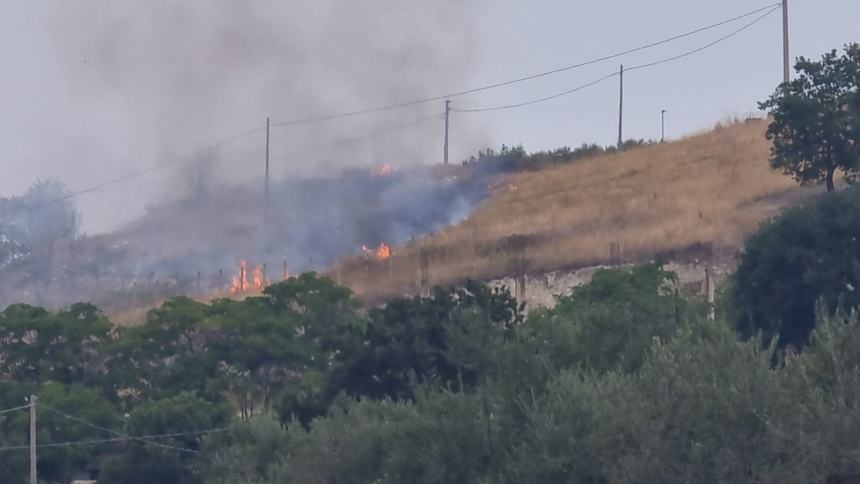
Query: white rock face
{"x":541,"y":290}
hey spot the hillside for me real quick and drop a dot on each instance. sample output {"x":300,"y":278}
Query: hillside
{"x":195,"y":244}
{"x":697,"y":197}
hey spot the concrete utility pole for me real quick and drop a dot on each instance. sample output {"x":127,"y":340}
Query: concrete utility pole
{"x":786,"y":58}
{"x":662,"y":125}
{"x":447,"y":115}
{"x":33,"y":479}
{"x":621,"y":107}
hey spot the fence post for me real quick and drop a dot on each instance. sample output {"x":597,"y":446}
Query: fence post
{"x":710,"y":291}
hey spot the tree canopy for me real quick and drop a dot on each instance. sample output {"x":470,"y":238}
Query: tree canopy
{"x":816,"y":118}
{"x":807,"y":255}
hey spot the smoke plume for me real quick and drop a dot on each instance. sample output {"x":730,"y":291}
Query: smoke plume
{"x":156,"y":79}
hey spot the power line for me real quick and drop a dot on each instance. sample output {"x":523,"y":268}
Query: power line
{"x":543,"y":99}
{"x":404,"y":104}
{"x":616,"y":74}
{"x":10,"y":410}
{"x":114,"y":432}
{"x":119,"y":439}
{"x":190,"y":156}
{"x":706,"y":46}
{"x":525,"y":78}
{"x":356,"y":139}
{"x":173,"y":161}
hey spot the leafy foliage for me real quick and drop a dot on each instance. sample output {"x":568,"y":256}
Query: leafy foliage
{"x":612,"y":321}
{"x":42,"y":215}
{"x":815,"y":119}
{"x":38,"y":345}
{"x":807,"y":254}
{"x":515,"y":158}
{"x":624,"y":381}
{"x":439,"y":339}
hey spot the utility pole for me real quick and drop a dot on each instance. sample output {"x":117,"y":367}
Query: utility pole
{"x":33,"y":479}
{"x":447,"y":115}
{"x":786,"y":59}
{"x":621,"y":107}
{"x":267,"y":166}
{"x":662,"y":125}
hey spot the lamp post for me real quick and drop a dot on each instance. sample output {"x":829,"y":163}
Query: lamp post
{"x":663,"y":126}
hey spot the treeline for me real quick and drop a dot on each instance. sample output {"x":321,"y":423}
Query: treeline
{"x":516,"y":158}
{"x":198,"y":382}
{"x":625,"y":380}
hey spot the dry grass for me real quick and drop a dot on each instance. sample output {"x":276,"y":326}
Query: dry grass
{"x":708,"y":190}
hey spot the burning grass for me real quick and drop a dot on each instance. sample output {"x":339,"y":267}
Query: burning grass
{"x":711,"y":189}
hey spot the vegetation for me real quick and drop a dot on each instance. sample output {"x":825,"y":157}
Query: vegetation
{"x":515,"y":158}
{"x":808,"y":256}
{"x":663,"y":200}
{"x":41,"y":216}
{"x":816,"y":119}
{"x":625,"y":380}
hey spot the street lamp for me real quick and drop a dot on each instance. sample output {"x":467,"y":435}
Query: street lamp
{"x":663,"y":126}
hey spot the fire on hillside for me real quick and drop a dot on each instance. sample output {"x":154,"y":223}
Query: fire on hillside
{"x":242,"y":283}
{"x":190,"y":246}
{"x":382,"y":252}
{"x":383,"y":170}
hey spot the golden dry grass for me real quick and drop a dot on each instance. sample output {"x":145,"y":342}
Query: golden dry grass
{"x":711,"y":189}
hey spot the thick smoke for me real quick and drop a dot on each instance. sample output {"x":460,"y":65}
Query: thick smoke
{"x":159,"y":78}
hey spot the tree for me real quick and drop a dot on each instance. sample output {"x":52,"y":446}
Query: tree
{"x":807,"y":254}
{"x":50,"y":212}
{"x":85,"y":404}
{"x":169,"y":353}
{"x":146,"y":463}
{"x":420,"y":340}
{"x":438,"y":437}
{"x":37,"y":345}
{"x":610,"y":322}
{"x":819,"y":427}
{"x":249,"y":453}
{"x":816,"y":118}
{"x":44,"y":214}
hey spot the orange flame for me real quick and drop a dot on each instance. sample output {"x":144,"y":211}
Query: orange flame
{"x":241,"y":283}
{"x":382,"y":252}
{"x":259,"y":277}
{"x":383,"y":170}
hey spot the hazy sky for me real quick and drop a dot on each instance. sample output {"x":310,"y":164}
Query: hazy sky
{"x":92,"y":89}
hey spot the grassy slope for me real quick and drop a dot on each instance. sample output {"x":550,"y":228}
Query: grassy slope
{"x":663,"y":200}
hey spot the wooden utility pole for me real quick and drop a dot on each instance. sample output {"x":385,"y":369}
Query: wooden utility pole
{"x":621,"y":107}
{"x":33,"y":479}
{"x":786,"y":58}
{"x":447,"y":116}
{"x":268,"y":125}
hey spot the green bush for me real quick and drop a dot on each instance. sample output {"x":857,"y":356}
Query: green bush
{"x":807,"y":254}
{"x":610,"y":322}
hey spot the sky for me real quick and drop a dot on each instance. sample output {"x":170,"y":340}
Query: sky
{"x":94,"y":90}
